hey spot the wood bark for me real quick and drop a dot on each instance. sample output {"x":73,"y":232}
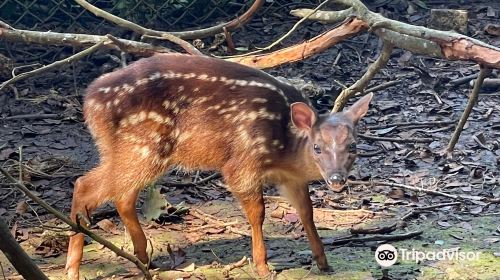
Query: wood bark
{"x":17,"y":256}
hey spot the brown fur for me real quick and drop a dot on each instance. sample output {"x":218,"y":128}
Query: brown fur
{"x":201,"y":113}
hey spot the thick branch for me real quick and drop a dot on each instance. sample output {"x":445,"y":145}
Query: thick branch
{"x":410,"y":43}
{"x":77,"y":227}
{"x":299,"y":52}
{"x":77,"y":40}
{"x":137,"y":28}
{"x":17,"y":256}
{"x":454,"y":46}
{"x":51,"y":66}
{"x":417,"y":39}
{"x":361,"y":84}
{"x":483,"y":73}
{"x":325,"y":16}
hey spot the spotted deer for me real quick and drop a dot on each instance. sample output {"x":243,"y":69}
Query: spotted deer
{"x":205,"y":113}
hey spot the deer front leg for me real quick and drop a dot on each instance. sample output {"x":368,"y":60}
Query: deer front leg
{"x":300,"y":200}
{"x":253,"y":205}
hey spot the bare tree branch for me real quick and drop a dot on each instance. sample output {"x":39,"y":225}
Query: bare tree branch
{"x":483,"y":73}
{"x":417,"y":39}
{"x":230,"y":26}
{"x":76,"y":40}
{"x":137,"y":28}
{"x":362,"y":83}
{"x":17,"y":256}
{"x":51,"y":66}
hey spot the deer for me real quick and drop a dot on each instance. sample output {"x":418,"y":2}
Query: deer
{"x":204,"y":113}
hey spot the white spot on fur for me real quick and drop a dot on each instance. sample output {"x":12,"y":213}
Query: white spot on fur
{"x":141,"y":82}
{"x":155,"y":117}
{"x":241,"y":83}
{"x":180,"y":88}
{"x":189,"y":76}
{"x":259,"y":100}
{"x":143,"y":151}
{"x":166,"y":104}
{"x":105,"y":90}
{"x":155,"y":76}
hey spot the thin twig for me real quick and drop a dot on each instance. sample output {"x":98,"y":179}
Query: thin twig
{"x":468,"y":109}
{"x":200,"y":182}
{"x":411,"y":188}
{"x":374,"y":230}
{"x":51,"y":66}
{"x":213,"y":225}
{"x":382,"y":86}
{"x":393,"y":237}
{"x":77,"y":227}
{"x":362,"y":83}
{"x":227,"y":268}
{"x":294,"y":27}
{"x":32,"y":117}
{"x":230,"y":26}
{"x":398,"y":140}
{"x":412,"y":124}
{"x":418,"y":210}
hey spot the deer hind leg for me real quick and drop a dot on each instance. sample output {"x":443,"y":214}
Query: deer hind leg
{"x":120,"y":183}
{"x":89,"y":192}
{"x":126,"y":209}
{"x":298,"y":195}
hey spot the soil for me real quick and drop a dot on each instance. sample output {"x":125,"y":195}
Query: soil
{"x":42,"y":131}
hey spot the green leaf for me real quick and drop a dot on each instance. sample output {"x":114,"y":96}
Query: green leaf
{"x":155,"y":204}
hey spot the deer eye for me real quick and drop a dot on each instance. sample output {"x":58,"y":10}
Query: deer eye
{"x":317,"y":149}
{"x":352,"y":148}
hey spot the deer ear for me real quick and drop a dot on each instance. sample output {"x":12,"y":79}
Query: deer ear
{"x":359,"y":109}
{"x":303,"y":117}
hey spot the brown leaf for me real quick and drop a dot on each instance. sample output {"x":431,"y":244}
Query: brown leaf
{"x":21,"y":207}
{"x":292,"y":217}
{"x":396,"y":194}
{"x":278,"y":213}
{"x":108,"y":226}
{"x":214,"y":230}
{"x":177,"y":257}
{"x":187,"y":267}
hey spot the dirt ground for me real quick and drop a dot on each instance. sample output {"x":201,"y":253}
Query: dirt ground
{"x":41,"y":129}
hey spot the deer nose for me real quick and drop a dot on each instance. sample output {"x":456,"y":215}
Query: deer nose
{"x":336,"y":179}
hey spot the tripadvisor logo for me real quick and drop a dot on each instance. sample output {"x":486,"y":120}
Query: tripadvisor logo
{"x":386,"y":255}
